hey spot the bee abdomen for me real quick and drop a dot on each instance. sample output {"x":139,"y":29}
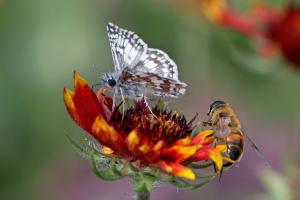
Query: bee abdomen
{"x":234,"y":152}
{"x":235,"y":145}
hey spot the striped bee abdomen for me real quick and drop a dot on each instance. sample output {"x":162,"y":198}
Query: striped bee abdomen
{"x":235,"y":146}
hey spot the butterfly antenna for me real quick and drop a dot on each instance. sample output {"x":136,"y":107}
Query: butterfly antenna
{"x":95,"y":85}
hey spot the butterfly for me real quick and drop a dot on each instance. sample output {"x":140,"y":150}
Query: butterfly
{"x":140,"y":71}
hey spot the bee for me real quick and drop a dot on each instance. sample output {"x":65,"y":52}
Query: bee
{"x":227,"y":130}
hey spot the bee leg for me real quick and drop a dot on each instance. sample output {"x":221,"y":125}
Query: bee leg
{"x":216,"y":171}
{"x":215,"y":168}
{"x":221,"y":172}
{"x":206,"y":124}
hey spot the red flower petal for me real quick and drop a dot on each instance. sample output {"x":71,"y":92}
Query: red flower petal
{"x":287,"y":35}
{"x":211,"y":153}
{"x":178,"y":153}
{"x":108,"y":136}
{"x":105,"y":102}
{"x":83,"y":104}
{"x":204,"y":137}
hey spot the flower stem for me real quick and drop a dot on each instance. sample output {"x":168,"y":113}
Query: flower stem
{"x":143,"y":197}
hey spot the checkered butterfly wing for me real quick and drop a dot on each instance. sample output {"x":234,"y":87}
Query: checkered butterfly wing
{"x":127,"y":47}
{"x":157,"y":62}
{"x":153,"y":83}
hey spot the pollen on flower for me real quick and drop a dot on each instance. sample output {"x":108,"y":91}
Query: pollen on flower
{"x":144,"y":148}
{"x":132,"y":139}
{"x":106,"y":150}
{"x":169,"y":128}
{"x":158,"y":145}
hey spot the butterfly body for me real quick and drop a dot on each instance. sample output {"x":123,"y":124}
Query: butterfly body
{"x":140,"y":71}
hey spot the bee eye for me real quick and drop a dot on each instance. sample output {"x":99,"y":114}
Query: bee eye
{"x":112,"y":82}
{"x":216,"y":104}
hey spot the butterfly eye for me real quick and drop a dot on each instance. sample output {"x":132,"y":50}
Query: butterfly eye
{"x":112,"y":82}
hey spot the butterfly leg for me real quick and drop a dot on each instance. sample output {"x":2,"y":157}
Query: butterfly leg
{"x":148,"y":106}
{"x":123,"y":102}
{"x":114,"y":100}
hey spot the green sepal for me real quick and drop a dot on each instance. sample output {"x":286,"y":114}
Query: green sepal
{"x":181,"y":183}
{"x":196,"y":130}
{"x":83,"y":152}
{"x":143,"y":183}
{"x":200,"y":166}
{"x":110,"y":173}
{"x":188,"y":185}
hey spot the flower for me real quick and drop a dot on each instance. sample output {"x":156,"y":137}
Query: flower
{"x":219,"y":12}
{"x":163,"y":141}
{"x":277,"y":29}
{"x":281,"y":29}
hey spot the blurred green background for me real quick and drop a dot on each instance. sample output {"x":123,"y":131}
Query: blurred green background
{"x":43,"y":41}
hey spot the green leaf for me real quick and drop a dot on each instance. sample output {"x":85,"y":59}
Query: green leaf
{"x":143,"y":183}
{"x":109,"y":174}
{"x":80,"y":150}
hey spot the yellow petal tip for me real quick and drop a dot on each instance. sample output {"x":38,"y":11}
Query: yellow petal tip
{"x":68,"y":99}
{"x":186,"y":173}
{"x":78,"y":80}
{"x":217,"y":158}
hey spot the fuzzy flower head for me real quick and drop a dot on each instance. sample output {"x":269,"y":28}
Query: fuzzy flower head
{"x":144,"y":141}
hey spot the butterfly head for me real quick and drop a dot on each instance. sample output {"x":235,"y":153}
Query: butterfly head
{"x":109,"y":79}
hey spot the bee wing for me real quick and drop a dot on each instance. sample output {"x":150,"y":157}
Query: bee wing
{"x":158,"y":62}
{"x":258,"y":152}
{"x":127,"y":47}
{"x":153,"y":83}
